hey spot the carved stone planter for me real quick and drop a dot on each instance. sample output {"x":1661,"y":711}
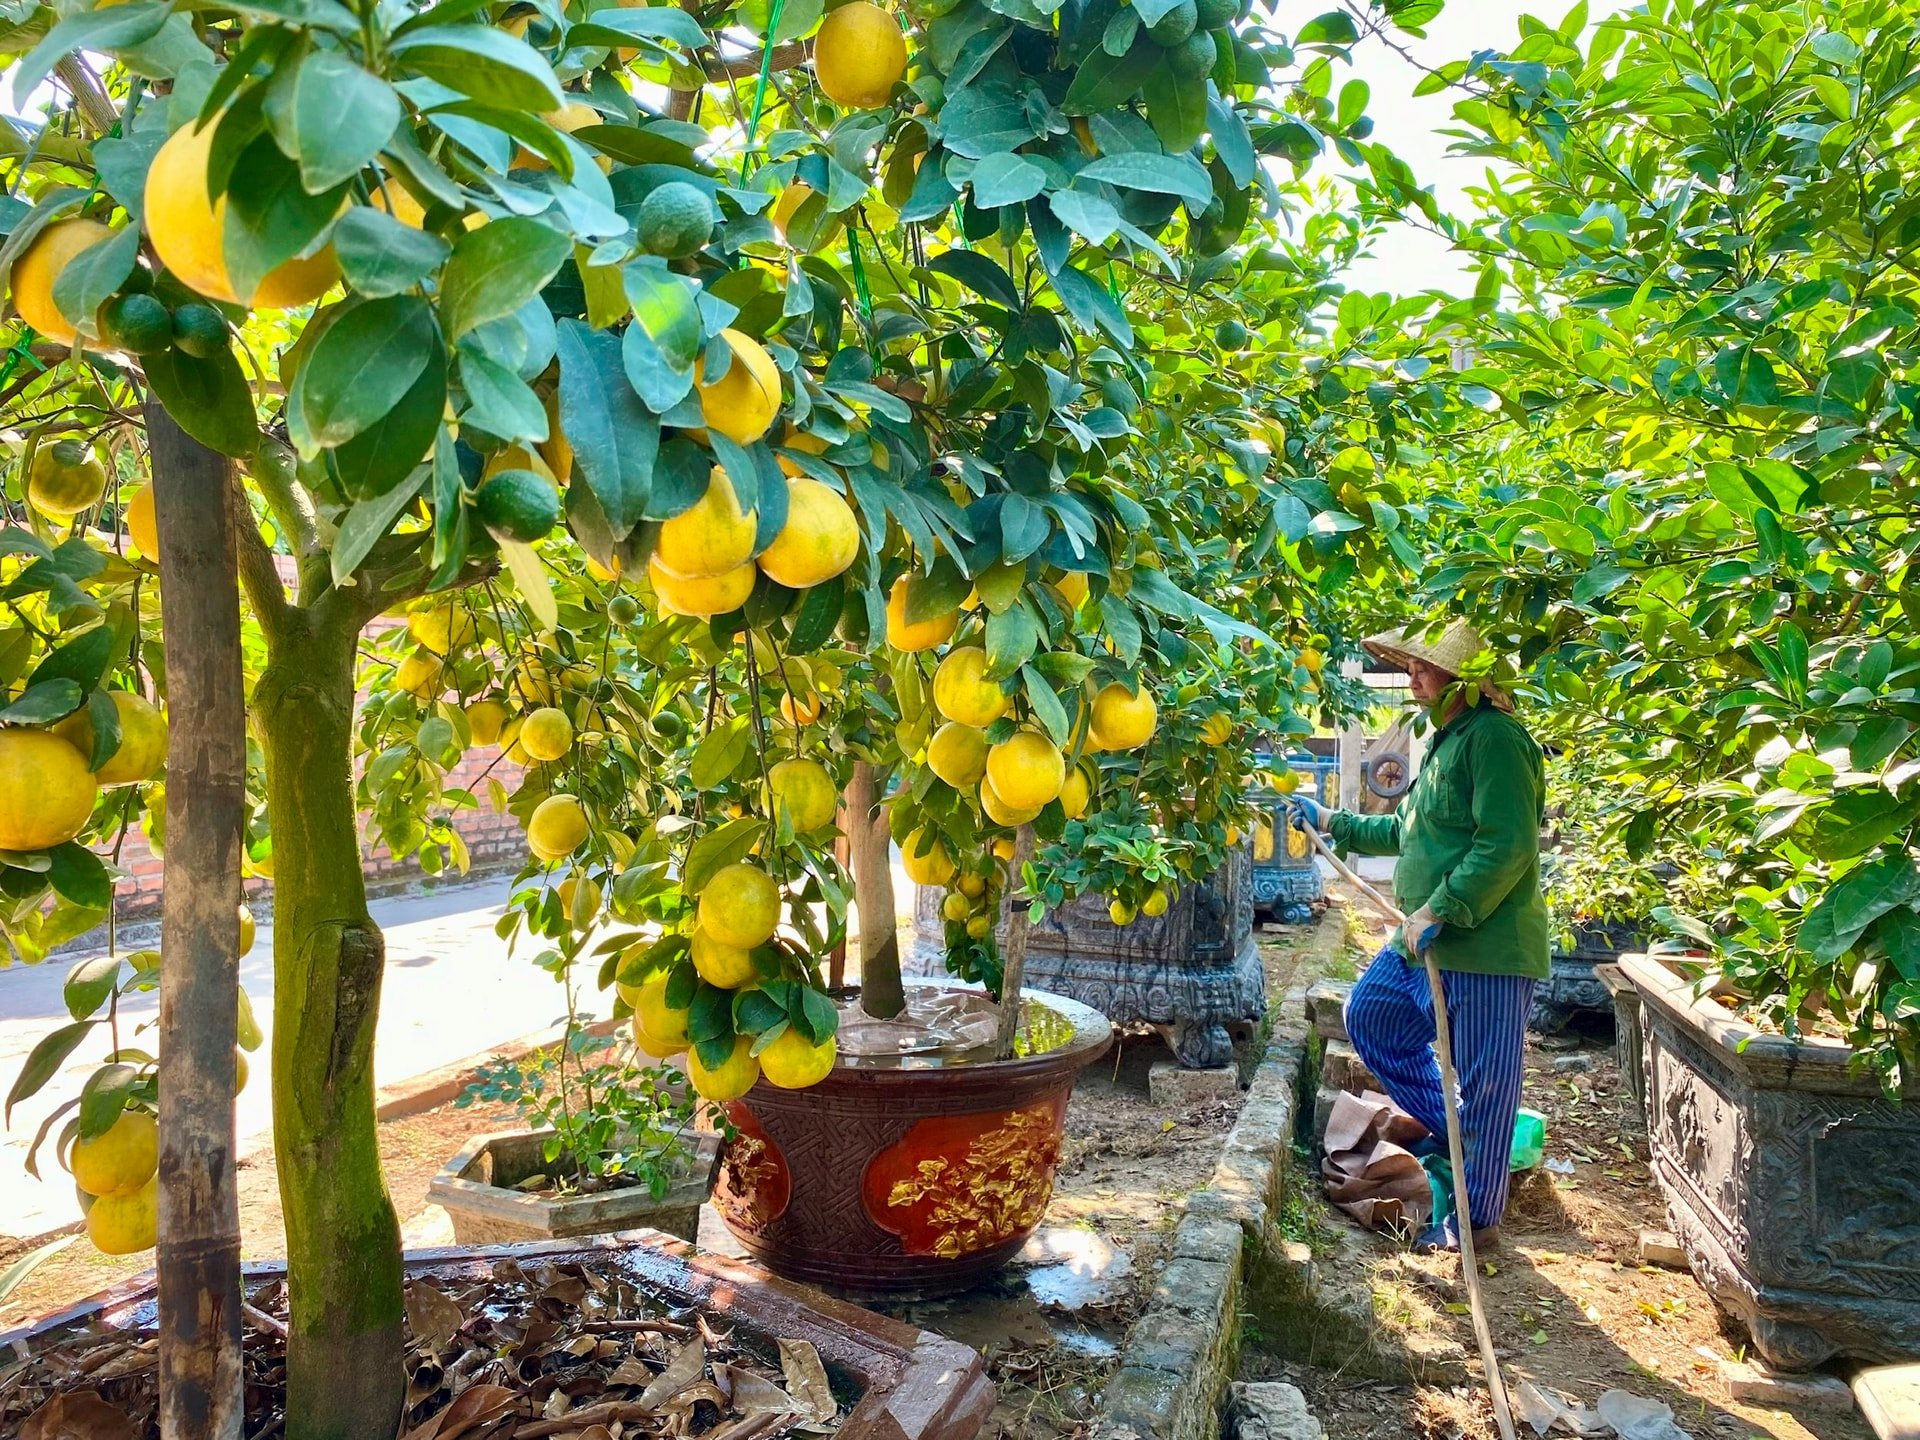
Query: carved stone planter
{"x":893,"y":1176}
{"x":1194,"y":973}
{"x":1629,"y":1051}
{"x":1791,"y":1182}
{"x":1574,"y":986}
{"x":477,"y":1190}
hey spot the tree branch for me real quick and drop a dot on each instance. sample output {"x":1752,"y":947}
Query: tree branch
{"x":790,"y":56}
{"x":259,"y":576}
{"x":293,"y":512}
{"x":92,"y":100}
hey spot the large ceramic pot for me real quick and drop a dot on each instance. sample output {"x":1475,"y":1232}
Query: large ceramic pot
{"x":1790,"y":1179}
{"x":894,"y":1177}
{"x":1194,"y":973}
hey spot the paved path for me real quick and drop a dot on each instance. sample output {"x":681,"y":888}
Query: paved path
{"x":451,"y":991}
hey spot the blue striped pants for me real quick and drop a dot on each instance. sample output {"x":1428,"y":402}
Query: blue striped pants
{"x":1390,"y":1021}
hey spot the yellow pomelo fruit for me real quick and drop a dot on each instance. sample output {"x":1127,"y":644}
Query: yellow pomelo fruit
{"x":580,"y":897}
{"x":729,"y":1080}
{"x":46,"y":792}
{"x":567,"y":119}
{"x":859,"y":55}
{"x":664,"y":1026}
{"x":249,"y":929}
{"x":973,"y":886}
{"x":66,"y":478}
{"x":958,"y":755}
{"x":246,"y":1031}
{"x":1072,"y":586}
{"x":999,"y":812}
{"x":441,"y":625}
{"x":1285,"y":782}
{"x":819,"y":540}
{"x":799,"y":712}
{"x":422,"y":675}
{"x":1217,"y":730}
{"x":556,"y":827}
{"x":963,"y":694}
{"x":532,"y":684}
{"x":143,"y":740}
{"x":799,"y":439}
{"x":926,"y":859}
{"x":740,"y":906}
{"x":518,"y":457}
{"x":703,"y":598}
{"x":396,"y":200}
{"x":186,"y":229}
{"x":805,"y":791}
{"x":126,"y":1224}
{"x":791,"y":199}
{"x":485,"y":719}
{"x":241,"y":1071}
{"x":956,"y":906}
{"x":33,"y":275}
{"x":1155,"y":905}
{"x":546,"y":734}
{"x":722,"y":965}
{"x":1122,"y":721}
{"x":922,"y":636}
{"x":794,"y":1062}
{"x":120,"y":1161}
{"x":1313,"y":660}
{"x":1003,"y":848}
{"x":143,"y":528}
{"x":714,"y":537}
{"x":1120,"y":913}
{"x":742,"y":403}
{"x":1076,"y":796}
{"x":1026,"y":770}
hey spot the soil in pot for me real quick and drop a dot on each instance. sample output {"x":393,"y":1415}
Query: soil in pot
{"x":922,"y":1163}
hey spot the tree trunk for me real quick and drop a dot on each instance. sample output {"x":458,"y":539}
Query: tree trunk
{"x":344,"y":1375}
{"x":1014,"y":961}
{"x":198,"y":1265}
{"x":881,"y":993}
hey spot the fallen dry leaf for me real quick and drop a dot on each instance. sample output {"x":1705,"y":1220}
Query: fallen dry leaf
{"x":475,"y":1407}
{"x":753,"y":1395}
{"x":807,"y":1380}
{"x":686,"y":1367}
{"x":433,"y":1318}
{"x":81,"y":1415}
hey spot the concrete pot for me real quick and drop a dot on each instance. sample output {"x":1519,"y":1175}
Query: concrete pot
{"x":903,"y":1383}
{"x":891,"y":1179}
{"x":1194,"y":973}
{"x":1790,"y":1179}
{"x":476,"y":1190}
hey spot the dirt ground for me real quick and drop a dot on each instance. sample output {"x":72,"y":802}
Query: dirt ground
{"x":1569,"y":1303}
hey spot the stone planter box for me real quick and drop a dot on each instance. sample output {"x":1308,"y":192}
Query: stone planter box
{"x":476,"y":1190}
{"x":901,"y":1382}
{"x":1193,"y":973}
{"x":1575,"y":985}
{"x":1628,"y":1051}
{"x":1790,"y":1180}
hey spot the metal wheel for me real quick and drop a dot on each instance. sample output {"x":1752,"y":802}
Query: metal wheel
{"x":1388,"y":775}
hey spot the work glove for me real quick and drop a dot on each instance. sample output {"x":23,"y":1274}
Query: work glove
{"x":1308,"y":813}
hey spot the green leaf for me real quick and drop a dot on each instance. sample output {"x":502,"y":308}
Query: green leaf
{"x":43,"y":704}
{"x":90,"y":983}
{"x":1231,"y":141}
{"x":368,"y":359}
{"x":1006,"y":179}
{"x":719,"y":754}
{"x":1105,"y":82}
{"x":1854,"y":823}
{"x":615,"y":437}
{"x":979,"y":273}
{"x":45,"y":1061}
{"x":1746,"y":376}
{"x":488,"y":64}
{"x":381,"y":256}
{"x":369,"y":520}
{"x":1179,"y":175}
{"x":1834,"y":94}
{"x":330,"y":115}
{"x":80,"y":876}
{"x":1871,"y":891}
{"x":646,"y":22}
{"x":271,"y":217}
{"x":530,"y":576}
{"x":106,"y":29}
{"x":1046,"y":707}
{"x":386,"y":453}
{"x":1011,"y":640}
{"x":497,"y":269}
{"x":209,"y":399}
{"x":663,"y":342}
{"x":103,"y":718}
{"x":90,"y":279}
{"x":1092,"y":306}
{"x":104,"y":1096}
{"x":1335,"y":28}
{"x":723,"y":845}
{"x":499,"y":401}
{"x":83,"y":659}
{"x":1176,"y":107}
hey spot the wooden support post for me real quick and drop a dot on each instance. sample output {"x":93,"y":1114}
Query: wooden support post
{"x":198,"y":1264}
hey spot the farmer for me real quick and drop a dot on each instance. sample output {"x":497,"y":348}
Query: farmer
{"x":1468,"y":838}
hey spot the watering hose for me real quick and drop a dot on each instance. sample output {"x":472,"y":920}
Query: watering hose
{"x":1456,"y":1146}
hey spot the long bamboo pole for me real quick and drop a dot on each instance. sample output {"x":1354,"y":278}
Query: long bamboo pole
{"x":198,"y":1265}
{"x":1456,"y":1145}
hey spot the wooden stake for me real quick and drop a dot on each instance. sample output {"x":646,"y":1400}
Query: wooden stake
{"x":1456,"y":1145}
{"x":198,"y":1265}
{"x":1014,"y":958}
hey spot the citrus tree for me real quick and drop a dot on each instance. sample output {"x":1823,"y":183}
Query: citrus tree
{"x":652,"y":376}
{"x":1704,"y":374}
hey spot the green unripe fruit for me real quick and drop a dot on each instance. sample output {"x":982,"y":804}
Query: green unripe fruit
{"x":1194,"y":56}
{"x":136,"y":323}
{"x":1176,"y":25}
{"x":1215,"y":13}
{"x":675,"y":220}
{"x":668,"y":725}
{"x":623,"y":609}
{"x":517,"y":505}
{"x":1231,"y":335}
{"x":200,"y":330}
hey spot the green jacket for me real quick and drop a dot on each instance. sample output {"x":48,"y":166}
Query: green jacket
{"x":1468,"y":838}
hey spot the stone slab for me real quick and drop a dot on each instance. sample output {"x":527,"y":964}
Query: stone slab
{"x":1659,"y":1247}
{"x":1326,"y":1006}
{"x":1270,"y":1410}
{"x":1174,"y":1087}
{"x":1889,"y":1400}
{"x":1754,"y":1384}
{"x":1341,"y":1068}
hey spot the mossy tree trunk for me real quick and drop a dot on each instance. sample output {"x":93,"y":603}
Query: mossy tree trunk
{"x":881,"y":993}
{"x":344,"y":1373}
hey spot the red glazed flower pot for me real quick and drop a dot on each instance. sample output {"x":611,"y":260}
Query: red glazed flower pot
{"x":888,"y":1178}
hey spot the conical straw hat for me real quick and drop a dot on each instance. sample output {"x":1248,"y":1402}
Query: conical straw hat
{"x":1456,"y":645}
